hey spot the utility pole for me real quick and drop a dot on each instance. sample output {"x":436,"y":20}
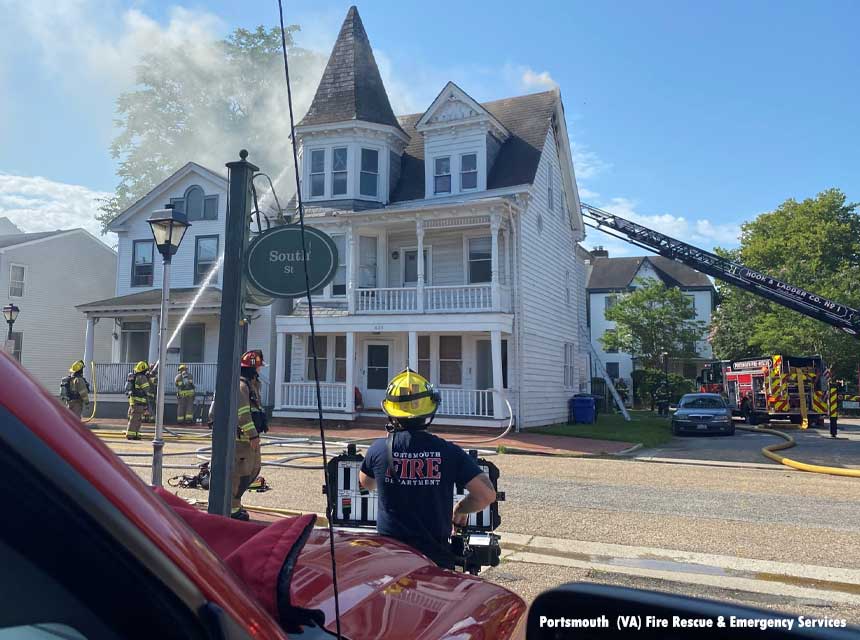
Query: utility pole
{"x":229,"y":342}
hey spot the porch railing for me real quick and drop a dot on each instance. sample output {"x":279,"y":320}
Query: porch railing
{"x":476,"y":403}
{"x":110,"y":376}
{"x":444,"y":299}
{"x":387,"y":300}
{"x":303,"y":395}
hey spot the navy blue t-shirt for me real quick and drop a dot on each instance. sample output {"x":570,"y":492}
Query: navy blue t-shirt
{"x":418,"y":506}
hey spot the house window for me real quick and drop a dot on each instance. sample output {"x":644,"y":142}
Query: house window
{"x":468,"y":171}
{"x":16,"y":281}
{"x":322,"y":362}
{"x":569,"y":375}
{"x":338,"y":171}
{"x":424,"y":356}
{"x":451,"y":360}
{"x":550,"y":193}
{"x":442,"y":175}
{"x":367,"y":260}
{"x":612,"y":370}
{"x":134,"y":345}
{"x":410,"y":266}
{"x":369,"y":173}
{"x":338,"y":285}
{"x":479,"y":260}
{"x":317,"y":173}
{"x":191,"y":343}
{"x":609,"y":302}
{"x":141,"y":268}
{"x":606,"y":334}
{"x":205,"y":256}
{"x":197,"y":206}
{"x":340,"y":359}
{"x":18,"y":340}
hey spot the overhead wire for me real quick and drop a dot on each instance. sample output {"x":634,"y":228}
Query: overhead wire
{"x":330,"y":492}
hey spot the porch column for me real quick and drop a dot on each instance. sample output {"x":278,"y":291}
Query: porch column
{"x":419,"y":288}
{"x":280,"y":364}
{"x":350,"y":270}
{"x":495,"y":223}
{"x":498,"y":382}
{"x":413,"y":350}
{"x":506,"y":235}
{"x":89,"y":344}
{"x":153,"y":340}
{"x":350,"y":372}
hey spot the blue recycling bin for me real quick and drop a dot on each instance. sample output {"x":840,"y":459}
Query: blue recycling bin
{"x":581,"y":410}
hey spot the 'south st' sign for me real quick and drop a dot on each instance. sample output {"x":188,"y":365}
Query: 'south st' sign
{"x":276,"y":260}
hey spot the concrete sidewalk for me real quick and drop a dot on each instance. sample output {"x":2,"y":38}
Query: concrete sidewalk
{"x":522,"y":443}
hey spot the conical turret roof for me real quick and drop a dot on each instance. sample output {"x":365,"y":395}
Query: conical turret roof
{"x":351,"y":87}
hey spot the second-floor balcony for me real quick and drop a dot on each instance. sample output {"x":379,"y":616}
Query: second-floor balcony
{"x":434,"y":299}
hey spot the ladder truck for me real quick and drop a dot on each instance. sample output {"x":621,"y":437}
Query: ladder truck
{"x":808,"y":370}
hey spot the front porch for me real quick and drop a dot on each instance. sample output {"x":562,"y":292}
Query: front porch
{"x":468,"y":367}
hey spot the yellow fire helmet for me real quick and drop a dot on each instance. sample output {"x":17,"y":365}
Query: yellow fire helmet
{"x":182,"y":367}
{"x":77,"y":366}
{"x":410,"y":400}
{"x":141,"y":367}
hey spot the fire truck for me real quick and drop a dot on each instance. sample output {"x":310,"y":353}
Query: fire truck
{"x":772,"y":388}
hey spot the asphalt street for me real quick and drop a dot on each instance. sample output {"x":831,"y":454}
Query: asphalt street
{"x":753,"y":514}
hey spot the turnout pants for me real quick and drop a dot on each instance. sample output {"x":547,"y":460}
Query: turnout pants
{"x":185,"y":408}
{"x":246,"y":468}
{"x":135,"y":416}
{"x":833,"y":425}
{"x":76,"y":407}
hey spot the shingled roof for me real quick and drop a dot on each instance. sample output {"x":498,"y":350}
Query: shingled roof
{"x":528,"y":118}
{"x":351,"y":87}
{"x":618,"y":273}
{"x":11,"y":239}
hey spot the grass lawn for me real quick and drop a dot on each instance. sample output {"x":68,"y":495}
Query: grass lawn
{"x":644,"y":426}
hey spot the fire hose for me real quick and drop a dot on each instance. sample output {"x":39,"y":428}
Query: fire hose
{"x":769,"y":450}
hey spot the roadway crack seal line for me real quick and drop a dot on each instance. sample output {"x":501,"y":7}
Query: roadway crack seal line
{"x":768,"y":452}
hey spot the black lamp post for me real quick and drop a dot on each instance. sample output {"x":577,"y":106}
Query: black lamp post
{"x":10,"y":312}
{"x":168,"y":228}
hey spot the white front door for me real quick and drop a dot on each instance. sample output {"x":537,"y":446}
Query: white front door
{"x":377,"y":373}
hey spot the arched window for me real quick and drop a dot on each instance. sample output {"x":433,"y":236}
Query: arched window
{"x":194,"y":203}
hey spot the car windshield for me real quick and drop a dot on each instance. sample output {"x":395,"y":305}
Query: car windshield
{"x":701,"y":402}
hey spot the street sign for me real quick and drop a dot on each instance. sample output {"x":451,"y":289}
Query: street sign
{"x":275,"y":263}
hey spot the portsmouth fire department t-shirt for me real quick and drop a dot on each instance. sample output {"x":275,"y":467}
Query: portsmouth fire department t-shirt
{"x":416,"y":507}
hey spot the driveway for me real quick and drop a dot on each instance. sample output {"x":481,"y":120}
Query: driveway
{"x":814,"y":446}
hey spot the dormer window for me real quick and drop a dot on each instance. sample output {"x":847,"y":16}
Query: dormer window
{"x":196,"y":205}
{"x":339,"y":171}
{"x":442,"y":176}
{"x":317,"y":173}
{"x":468,"y":171}
{"x":369,"y":173}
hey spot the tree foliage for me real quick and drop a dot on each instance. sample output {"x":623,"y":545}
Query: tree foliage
{"x":646,"y":382}
{"x":203,"y":101}
{"x":813,"y":244}
{"x":651,"y":320}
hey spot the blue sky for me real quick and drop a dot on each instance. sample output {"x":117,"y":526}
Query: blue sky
{"x":690,"y":116}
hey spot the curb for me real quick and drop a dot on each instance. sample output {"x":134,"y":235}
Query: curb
{"x":571,"y":454}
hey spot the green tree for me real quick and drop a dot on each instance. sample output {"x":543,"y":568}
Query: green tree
{"x":813,"y":244}
{"x":203,"y":101}
{"x":651,"y":320}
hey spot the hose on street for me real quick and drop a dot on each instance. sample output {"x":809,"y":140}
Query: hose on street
{"x":769,"y":452}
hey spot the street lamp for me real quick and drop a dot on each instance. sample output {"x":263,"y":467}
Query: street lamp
{"x":168,"y":228}
{"x":10,"y":312}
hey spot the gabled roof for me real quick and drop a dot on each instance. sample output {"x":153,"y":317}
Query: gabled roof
{"x":164,"y":185}
{"x":12,"y":239}
{"x":619,"y":273}
{"x":452,"y":93}
{"x":351,"y":87}
{"x":527,"y":118}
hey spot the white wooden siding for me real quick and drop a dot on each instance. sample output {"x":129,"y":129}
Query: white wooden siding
{"x":61,"y":272}
{"x":446,"y":143}
{"x":182,"y":266}
{"x":547,"y":321}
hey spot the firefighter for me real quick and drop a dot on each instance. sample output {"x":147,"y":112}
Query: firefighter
{"x":258,"y":414}
{"x":833,"y":406}
{"x":415,"y":472}
{"x":185,"y":388}
{"x":140,"y":394}
{"x":746,"y":406}
{"x":247,"y":460}
{"x":149,"y":410}
{"x":74,"y":389}
{"x":662,"y":397}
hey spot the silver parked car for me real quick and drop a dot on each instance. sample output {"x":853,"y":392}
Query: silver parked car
{"x":702,"y":413}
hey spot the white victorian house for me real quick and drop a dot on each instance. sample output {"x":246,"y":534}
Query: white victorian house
{"x":133,"y":311}
{"x":457,"y":230}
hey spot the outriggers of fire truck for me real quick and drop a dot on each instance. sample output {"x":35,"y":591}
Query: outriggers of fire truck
{"x":774,"y":388}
